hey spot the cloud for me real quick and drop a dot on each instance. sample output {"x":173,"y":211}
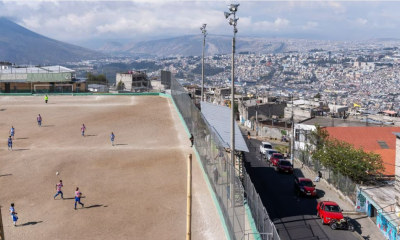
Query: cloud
{"x":361,"y":21}
{"x":278,"y":24}
{"x":310,"y":25}
{"x":91,"y":20}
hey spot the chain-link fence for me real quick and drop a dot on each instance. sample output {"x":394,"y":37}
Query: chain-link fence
{"x":339,"y":181}
{"x":216,"y":162}
{"x":264,"y":225}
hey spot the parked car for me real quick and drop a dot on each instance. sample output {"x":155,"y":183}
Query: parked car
{"x":304,"y":187}
{"x":285,"y":166}
{"x":264,"y":146}
{"x":275,"y":157}
{"x":268,"y":153}
{"x":328,"y":210}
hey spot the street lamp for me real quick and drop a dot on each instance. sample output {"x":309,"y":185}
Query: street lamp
{"x":233,"y":21}
{"x":204,"y":32}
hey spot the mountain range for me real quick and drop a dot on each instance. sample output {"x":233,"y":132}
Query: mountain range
{"x":192,"y":45}
{"x":22,"y":46}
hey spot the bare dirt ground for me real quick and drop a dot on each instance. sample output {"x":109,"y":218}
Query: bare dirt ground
{"x":134,"y":190}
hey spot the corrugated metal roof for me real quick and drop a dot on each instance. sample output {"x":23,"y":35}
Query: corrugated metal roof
{"x":219,"y":117}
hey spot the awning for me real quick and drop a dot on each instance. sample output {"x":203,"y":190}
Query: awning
{"x":219,"y":118}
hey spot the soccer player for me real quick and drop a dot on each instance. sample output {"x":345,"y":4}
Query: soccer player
{"x":39,"y":120}
{"x":46,"y":98}
{"x":9,"y":143}
{"x":78,"y":196}
{"x":58,"y":188}
{"x":12,"y":132}
{"x":83,"y":128}
{"x":14,"y":216}
{"x":112,"y":136}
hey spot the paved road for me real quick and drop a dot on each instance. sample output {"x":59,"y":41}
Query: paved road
{"x":294,"y":217}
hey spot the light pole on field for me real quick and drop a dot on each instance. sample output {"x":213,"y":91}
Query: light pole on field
{"x":232,"y":21}
{"x":204,"y":32}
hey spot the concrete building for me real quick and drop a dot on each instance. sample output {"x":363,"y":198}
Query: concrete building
{"x":49,"y":79}
{"x":133,"y":81}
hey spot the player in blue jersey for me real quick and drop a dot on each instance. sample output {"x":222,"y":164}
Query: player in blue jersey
{"x":112,"y":136}
{"x":14,"y":216}
{"x":12,"y":132}
{"x":9,"y":143}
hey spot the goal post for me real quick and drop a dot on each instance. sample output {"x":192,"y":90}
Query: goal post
{"x":57,"y":88}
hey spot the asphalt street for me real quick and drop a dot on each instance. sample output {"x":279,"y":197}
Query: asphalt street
{"x":294,"y":217}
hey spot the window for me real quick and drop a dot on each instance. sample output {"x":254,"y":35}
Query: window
{"x":78,"y":85}
{"x":297,"y":135}
{"x":383,"y":144}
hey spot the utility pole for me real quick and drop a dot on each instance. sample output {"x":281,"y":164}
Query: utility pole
{"x":293,"y":136}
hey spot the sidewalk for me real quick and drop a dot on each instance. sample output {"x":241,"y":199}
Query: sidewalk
{"x":364,"y":226}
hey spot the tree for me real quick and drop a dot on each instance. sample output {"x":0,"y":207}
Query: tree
{"x":93,"y":78}
{"x":121,"y":85}
{"x":318,"y":95}
{"x":343,"y":157}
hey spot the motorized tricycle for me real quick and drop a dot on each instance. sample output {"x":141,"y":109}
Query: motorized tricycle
{"x":341,"y":224}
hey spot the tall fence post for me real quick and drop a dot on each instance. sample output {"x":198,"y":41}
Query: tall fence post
{"x":189,"y":198}
{"x":1,"y":226}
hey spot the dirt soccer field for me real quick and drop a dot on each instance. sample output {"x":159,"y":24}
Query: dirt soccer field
{"x":133,"y":190}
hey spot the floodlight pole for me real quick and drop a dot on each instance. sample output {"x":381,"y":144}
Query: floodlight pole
{"x":204,"y":31}
{"x":232,"y":186}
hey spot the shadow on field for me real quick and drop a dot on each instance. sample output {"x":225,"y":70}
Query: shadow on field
{"x":21,"y":149}
{"x":3,"y":109}
{"x":21,"y":138}
{"x":72,"y":198}
{"x":6,"y":175}
{"x":91,"y":135}
{"x":121,"y":144}
{"x":48,"y":125}
{"x":30,"y":223}
{"x":94,"y":206}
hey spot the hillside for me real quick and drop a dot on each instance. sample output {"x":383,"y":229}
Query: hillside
{"x":192,"y":45}
{"x":22,"y":46}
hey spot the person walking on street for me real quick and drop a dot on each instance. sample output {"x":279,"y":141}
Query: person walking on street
{"x":14,"y":216}
{"x":191,"y":139}
{"x":12,"y":132}
{"x":58,"y":188}
{"x":112,"y":136}
{"x":46,"y":98}
{"x":78,"y":196}
{"x":248,"y":134}
{"x":9,"y":143}
{"x":39,"y":120}
{"x":83,"y":128}
{"x":318,"y":178}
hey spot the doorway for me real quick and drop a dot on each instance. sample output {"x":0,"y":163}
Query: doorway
{"x":7,"y":87}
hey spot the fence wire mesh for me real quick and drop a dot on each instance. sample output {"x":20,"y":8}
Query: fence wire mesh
{"x":215,"y":161}
{"x":217,"y":164}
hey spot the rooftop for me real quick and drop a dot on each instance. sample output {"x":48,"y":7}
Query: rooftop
{"x":44,"y":69}
{"x":334,"y":122}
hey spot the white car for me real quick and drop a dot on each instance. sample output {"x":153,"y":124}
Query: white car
{"x":269,"y":152}
{"x":264,"y":146}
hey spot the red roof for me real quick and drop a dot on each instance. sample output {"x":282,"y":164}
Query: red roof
{"x":367,"y":138}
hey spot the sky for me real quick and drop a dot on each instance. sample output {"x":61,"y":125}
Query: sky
{"x":92,"y":23}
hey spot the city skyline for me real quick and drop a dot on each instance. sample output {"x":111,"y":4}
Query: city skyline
{"x":92,"y":23}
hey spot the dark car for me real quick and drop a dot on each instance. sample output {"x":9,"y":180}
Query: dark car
{"x":304,"y":187}
{"x":275,"y":158}
{"x":284,"y":166}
